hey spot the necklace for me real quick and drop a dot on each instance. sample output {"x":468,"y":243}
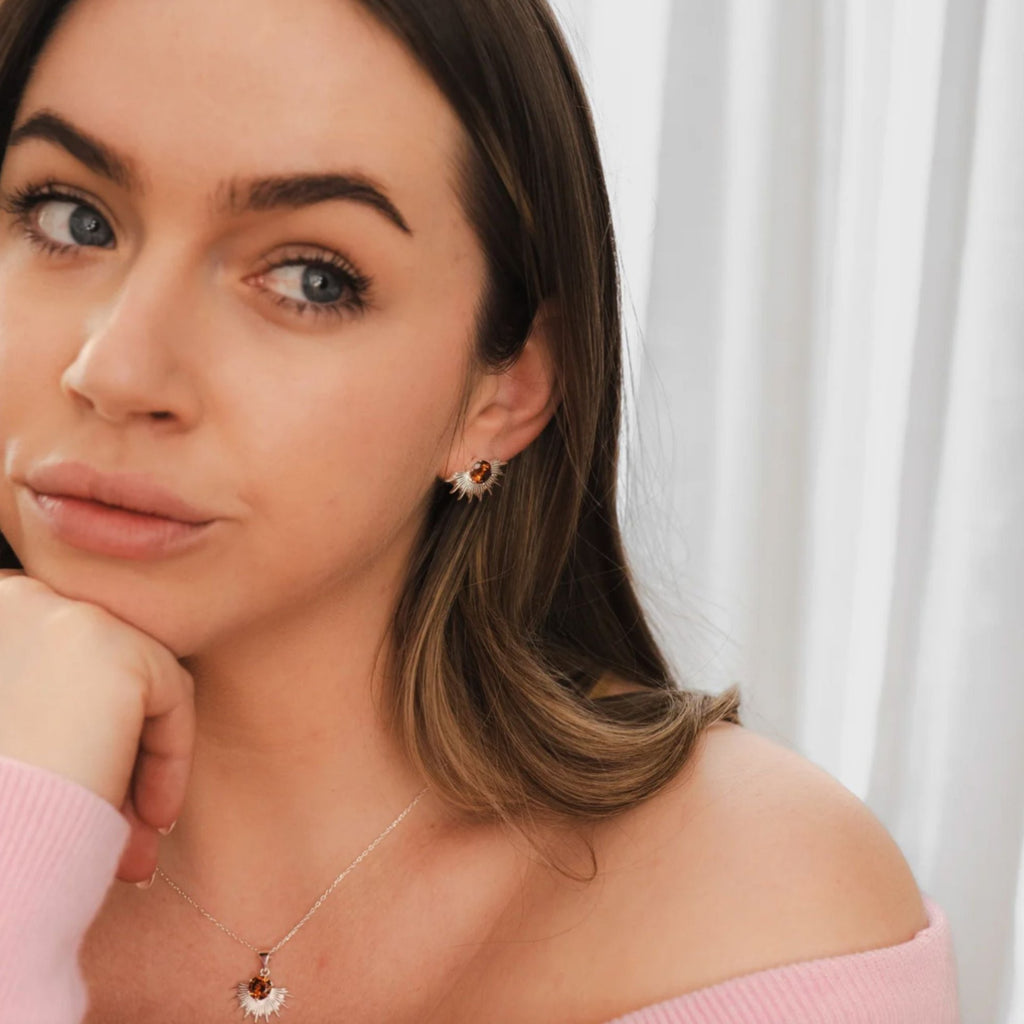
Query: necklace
{"x":259,"y":996}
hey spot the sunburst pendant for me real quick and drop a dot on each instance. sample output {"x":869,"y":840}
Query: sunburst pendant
{"x":258,"y":995}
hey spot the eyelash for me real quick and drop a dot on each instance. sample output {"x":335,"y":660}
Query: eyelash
{"x":24,"y":200}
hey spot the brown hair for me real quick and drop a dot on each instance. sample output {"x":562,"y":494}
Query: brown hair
{"x":516,"y":606}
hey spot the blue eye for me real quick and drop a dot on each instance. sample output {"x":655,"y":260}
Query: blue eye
{"x":58,"y":221}
{"x":310,"y":282}
{"x":83,"y":223}
{"x":319,"y":285}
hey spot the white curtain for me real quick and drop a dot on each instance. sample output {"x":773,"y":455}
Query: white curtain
{"x":820,"y":208}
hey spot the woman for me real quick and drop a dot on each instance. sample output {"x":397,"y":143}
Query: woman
{"x":309,"y":400}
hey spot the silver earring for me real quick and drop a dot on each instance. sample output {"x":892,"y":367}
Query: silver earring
{"x":476,"y":481}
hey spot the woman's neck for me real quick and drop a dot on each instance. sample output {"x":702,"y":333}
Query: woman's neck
{"x":295,"y":770}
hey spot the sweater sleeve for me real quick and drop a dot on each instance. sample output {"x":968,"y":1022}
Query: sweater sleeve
{"x":60,"y":845}
{"x":911,"y":983}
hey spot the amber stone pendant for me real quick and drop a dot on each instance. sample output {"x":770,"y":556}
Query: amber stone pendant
{"x":258,"y":995}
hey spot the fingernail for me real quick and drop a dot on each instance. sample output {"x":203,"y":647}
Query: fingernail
{"x":145,"y":884}
{"x":167,"y":831}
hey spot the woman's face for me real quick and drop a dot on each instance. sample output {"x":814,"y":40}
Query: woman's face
{"x":287,"y":357}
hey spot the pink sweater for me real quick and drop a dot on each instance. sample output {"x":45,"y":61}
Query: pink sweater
{"x":60,"y":845}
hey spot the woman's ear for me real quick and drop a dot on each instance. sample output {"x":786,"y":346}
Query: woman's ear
{"x":509,"y":409}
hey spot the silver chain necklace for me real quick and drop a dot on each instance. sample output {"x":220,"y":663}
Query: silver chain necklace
{"x":259,"y":996}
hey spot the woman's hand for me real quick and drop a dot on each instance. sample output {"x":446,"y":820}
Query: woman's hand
{"x":88,"y":696}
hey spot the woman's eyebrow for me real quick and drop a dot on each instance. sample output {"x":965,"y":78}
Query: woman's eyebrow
{"x":236,"y":196}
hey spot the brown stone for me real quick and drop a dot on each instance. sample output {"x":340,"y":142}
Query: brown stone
{"x":480,"y":473}
{"x":259,"y":988}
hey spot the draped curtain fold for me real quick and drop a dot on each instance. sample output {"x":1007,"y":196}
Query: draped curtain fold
{"x":820,"y":208}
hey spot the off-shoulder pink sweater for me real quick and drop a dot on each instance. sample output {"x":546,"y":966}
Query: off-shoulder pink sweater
{"x":60,"y":845}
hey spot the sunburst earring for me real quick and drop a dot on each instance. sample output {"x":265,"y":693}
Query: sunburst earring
{"x":476,"y":481}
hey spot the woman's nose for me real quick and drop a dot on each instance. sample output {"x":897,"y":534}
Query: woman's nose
{"x":134,"y":361}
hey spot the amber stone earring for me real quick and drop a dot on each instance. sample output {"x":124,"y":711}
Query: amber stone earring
{"x":476,"y":481}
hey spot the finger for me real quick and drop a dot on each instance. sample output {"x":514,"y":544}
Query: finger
{"x":166,"y":741}
{"x":164,"y":764}
{"x":139,"y":858}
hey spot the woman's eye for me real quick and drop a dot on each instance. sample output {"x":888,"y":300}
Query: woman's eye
{"x":313,"y":286}
{"x":310,"y":282}
{"x":69,"y":223}
{"x":316,"y":286}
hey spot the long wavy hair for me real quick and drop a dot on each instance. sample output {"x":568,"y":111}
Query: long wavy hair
{"x":516,"y":606}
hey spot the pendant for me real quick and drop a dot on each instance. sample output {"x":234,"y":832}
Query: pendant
{"x":258,"y":995}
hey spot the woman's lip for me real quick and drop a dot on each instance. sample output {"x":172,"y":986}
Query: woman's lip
{"x":115,"y":532}
{"x":134,"y":492}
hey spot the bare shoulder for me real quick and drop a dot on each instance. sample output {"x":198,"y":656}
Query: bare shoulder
{"x":755,"y":858}
{"x":752,"y":858}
